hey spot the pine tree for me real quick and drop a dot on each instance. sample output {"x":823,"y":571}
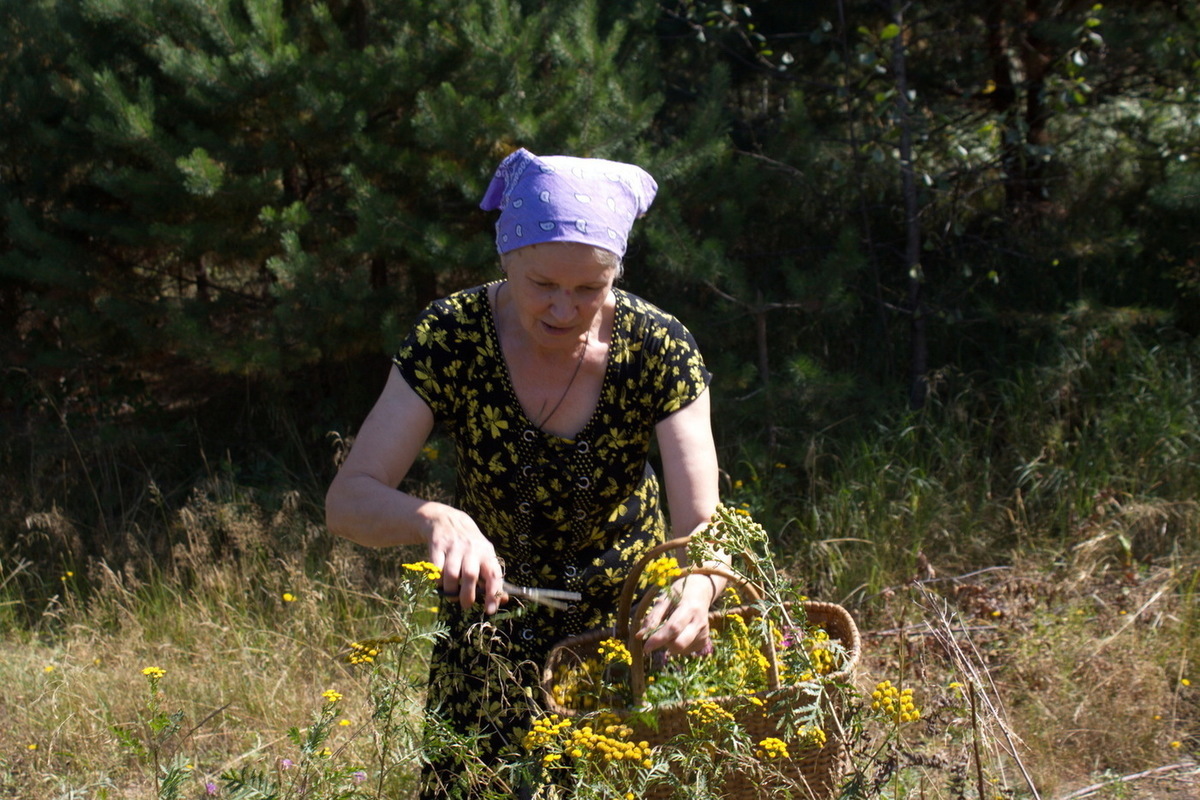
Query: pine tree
{"x":253,"y":186}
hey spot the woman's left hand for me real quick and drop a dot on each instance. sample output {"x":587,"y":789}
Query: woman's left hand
{"x":679,"y":619}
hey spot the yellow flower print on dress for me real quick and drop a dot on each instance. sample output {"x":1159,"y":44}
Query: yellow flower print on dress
{"x":493,"y":419}
{"x":426,"y":373}
{"x":679,"y":394}
{"x":427,"y":335}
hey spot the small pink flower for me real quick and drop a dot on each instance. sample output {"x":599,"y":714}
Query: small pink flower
{"x":790,"y":639}
{"x":286,"y":763}
{"x":359,"y":776}
{"x":210,"y":788}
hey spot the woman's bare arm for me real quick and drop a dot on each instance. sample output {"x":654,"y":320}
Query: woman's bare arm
{"x":364,"y":505}
{"x":689,"y":459}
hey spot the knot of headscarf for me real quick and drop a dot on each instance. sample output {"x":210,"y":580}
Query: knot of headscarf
{"x":567,"y":199}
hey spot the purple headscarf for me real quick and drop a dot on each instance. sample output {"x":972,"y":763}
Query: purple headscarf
{"x":567,"y":199}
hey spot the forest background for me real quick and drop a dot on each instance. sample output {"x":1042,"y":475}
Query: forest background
{"x":942,"y":258}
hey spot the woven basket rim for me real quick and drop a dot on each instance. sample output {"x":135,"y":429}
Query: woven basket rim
{"x":834,"y":611}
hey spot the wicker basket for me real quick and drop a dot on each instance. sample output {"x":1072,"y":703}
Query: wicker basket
{"x":809,"y":774}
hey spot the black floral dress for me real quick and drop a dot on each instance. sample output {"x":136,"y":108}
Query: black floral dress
{"x":562,"y":513}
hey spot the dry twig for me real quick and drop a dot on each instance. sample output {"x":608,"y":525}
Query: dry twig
{"x":1095,"y":787}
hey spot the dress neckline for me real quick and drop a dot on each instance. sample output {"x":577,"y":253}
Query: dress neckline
{"x":493,"y":332}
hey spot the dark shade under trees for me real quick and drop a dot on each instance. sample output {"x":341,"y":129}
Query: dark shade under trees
{"x":228,"y":211}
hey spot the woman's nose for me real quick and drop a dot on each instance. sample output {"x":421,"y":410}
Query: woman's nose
{"x":562,"y":307}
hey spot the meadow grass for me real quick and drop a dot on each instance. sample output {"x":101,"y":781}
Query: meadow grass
{"x":247,"y":654}
{"x":1022,"y":554}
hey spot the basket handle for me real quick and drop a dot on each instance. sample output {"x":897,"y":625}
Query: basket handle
{"x":630,"y":587}
{"x":625,"y":601}
{"x":637,"y":676}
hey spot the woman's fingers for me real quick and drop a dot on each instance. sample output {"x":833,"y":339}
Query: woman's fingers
{"x":678,"y":620}
{"x":470,"y":568}
{"x":684,"y":630}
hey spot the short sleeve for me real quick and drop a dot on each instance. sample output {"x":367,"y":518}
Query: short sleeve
{"x":661,"y":358}
{"x":429,"y":354}
{"x":684,"y":375}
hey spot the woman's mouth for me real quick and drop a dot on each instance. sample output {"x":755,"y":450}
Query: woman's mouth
{"x":557,"y":330}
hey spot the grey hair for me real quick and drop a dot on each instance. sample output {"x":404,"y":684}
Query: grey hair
{"x":607,"y":257}
{"x":613,"y":260}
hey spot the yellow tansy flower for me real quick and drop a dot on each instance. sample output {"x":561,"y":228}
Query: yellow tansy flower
{"x":894,"y":703}
{"x":614,"y":651}
{"x":425,"y":568}
{"x":771,"y":748}
{"x":662,"y":571}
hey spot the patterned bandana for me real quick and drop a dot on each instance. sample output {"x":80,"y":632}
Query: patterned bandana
{"x":566,"y":199}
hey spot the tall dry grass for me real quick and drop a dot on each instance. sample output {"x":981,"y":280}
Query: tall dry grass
{"x":248,"y":633}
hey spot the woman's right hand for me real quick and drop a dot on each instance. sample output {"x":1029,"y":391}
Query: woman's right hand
{"x":466,"y":558}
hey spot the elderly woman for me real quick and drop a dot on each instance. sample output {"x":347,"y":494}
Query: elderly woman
{"x":552,"y":384}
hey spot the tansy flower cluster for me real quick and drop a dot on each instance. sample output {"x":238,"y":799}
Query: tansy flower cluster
{"x":811,"y":736}
{"x":614,"y":651}
{"x":732,"y":530}
{"x":894,"y":703}
{"x":823,"y":661}
{"x":706,"y":713}
{"x":661,"y":571}
{"x":545,"y":732}
{"x":154,"y":672}
{"x":576,"y":685}
{"x":609,"y":743}
{"x":366,"y":651}
{"x":810,"y":653}
{"x":331,"y":695}
{"x":362,"y":653}
{"x":748,"y":668}
{"x":771,"y":748}
{"x":425,"y":568}
{"x":607,"y":740}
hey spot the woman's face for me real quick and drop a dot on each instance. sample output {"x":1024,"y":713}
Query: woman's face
{"x":558,"y":288}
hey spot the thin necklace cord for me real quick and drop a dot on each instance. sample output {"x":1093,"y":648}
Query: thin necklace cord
{"x":570,"y":383}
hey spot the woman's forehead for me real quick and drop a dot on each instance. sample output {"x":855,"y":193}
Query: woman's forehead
{"x":562,"y":259}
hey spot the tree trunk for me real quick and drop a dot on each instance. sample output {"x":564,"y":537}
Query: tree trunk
{"x":918,"y":359}
{"x":1035,"y":62}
